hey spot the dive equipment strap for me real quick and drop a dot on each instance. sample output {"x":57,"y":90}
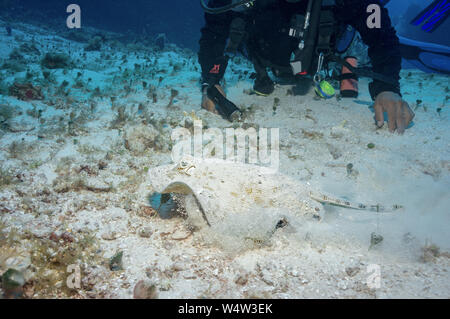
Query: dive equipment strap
{"x":362,"y":72}
{"x":347,"y":76}
{"x":326,"y":31}
{"x":303,"y":55}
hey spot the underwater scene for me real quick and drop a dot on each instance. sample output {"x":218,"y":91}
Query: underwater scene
{"x":224,"y":149}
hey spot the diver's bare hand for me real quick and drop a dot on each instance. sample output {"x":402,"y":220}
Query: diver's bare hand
{"x":208,"y":104}
{"x":398,"y":111}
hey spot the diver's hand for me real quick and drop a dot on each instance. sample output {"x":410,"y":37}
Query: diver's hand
{"x":398,"y":111}
{"x":207,"y":103}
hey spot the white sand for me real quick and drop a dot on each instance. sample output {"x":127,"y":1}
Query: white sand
{"x":304,"y":260}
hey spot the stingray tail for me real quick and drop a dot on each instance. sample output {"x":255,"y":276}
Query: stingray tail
{"x":325,"y":199}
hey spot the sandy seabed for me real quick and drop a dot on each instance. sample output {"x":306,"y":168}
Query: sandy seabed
{"x":76,"y":146}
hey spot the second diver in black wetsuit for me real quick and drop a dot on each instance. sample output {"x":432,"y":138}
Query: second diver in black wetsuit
{"x":265,"y":29}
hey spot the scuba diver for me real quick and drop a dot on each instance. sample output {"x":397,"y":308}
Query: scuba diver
{"x":295,"y":39}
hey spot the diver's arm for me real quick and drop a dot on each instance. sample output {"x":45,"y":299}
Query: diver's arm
{"x":384,"y":52}
{"x":383,"y":43}
{"x":213,"y":40}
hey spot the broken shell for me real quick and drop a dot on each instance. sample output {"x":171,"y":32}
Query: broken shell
{"x":109,"y":235}
{"x":145,"y":290}
{"x":145,"y":232}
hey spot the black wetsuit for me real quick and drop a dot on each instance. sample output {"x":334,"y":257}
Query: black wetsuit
{"x":267,"y":26}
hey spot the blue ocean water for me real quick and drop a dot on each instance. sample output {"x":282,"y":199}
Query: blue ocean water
{"x":181,"y":20}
